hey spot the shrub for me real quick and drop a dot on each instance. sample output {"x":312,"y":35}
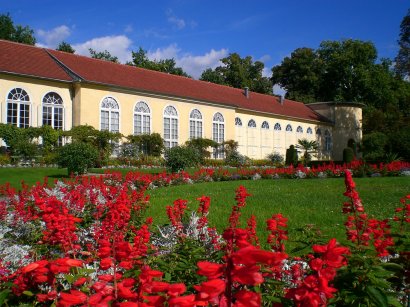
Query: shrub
{"x":348,"y":155}
{"x":202,"y":145}
{"x":180,"y":157}
{"x":291,"y":156}
{"x":77,"y":157}
{"x":374,"y":146}
{"x":234,"y":158}
{"x":276,"y":158}
{"x":148,"y":144}
{"x":5,"y":159}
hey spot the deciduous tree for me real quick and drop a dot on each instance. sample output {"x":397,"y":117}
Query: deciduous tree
{"x":403,"y":57}
{"x":103,"y":55}
{"x":15,"y":33}
{"x":65,"y":47}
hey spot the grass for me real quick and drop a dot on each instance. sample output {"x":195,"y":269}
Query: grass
{"x":304,"y":202}
{"x":30,"y":175}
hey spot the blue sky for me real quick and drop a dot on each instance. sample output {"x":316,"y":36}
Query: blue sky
{"x":198,"y":33}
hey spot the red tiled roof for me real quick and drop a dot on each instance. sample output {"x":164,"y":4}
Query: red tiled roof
{"x":29,"y":60}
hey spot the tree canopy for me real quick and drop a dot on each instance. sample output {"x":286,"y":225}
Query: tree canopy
{"x":403,"y":57}
{"x":65,"y":47}
{"x":15,"y":33}
{"x":240,"y":73}
{"x":103,"y":55}
{"x":140,"y":59}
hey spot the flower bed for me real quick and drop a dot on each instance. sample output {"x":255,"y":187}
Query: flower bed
{"x":88,"y":243}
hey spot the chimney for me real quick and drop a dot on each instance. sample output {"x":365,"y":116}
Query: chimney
{"x":281,"y":99}
{"x":246,"y":91}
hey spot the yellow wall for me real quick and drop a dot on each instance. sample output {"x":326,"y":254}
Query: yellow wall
{"x":257,"y":143}
{"x":36,"y":89}
{"x":91,"y":97}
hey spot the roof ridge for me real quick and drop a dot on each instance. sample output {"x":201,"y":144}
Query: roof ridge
{"x":71,"y":73}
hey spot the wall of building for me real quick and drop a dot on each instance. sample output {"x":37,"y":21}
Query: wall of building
{"x":36,"y":89}
{"x":91,"y":97}
{"x":257,"y":142}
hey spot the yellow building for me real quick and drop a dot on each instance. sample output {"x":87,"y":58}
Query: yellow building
{"x":46,"y":87}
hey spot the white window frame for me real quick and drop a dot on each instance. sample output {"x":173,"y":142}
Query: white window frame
{"x":56,"y":103}
{"x":299,"y":129}
{"x":19,"y":103}
{"x":171,"y":139}
{"x":111,"y":112}
{"x":251,"y":123}
{"x":238,"y":122}
{"x":289,"y":128}
{"x":265,"y":125}
{"x":145,"y":115}
{"x":309,"y":130}
{"x":328,"y":141}
{"x":277,"y":127}
{"x":218,"y":134}
{"x":196,"y":127}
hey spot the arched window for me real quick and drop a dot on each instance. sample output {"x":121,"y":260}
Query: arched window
{"x":318,"y":132}
{"x":218,"y":132}
{"x":309,"y":131}
{"x":277,"y":127}
{"x":142,"y":118}
{"x":53,"y":111}
{"x":170,"y":127}
{"x":289,"y":128}
{"x":195,"y":124}
{"x":110,"y":115}
{"x":328,"y":141}
{"x":18,"y":108}
{"x":265,"y":125}
{"x":238,"y":121}
{"x":251,"y":124}
{"x":299,"y":129}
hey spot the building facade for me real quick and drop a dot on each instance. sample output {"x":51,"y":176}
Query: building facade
{"x":46,"y":87}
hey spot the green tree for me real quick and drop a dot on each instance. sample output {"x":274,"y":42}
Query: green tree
{"x":239,"y":73}
{"x":18,"y":33}
{"x":140,"y":59}
{"x":65,"y":47}
{"x":309,"y":149}
{"x":403,"y":57}
{"x":299,"y":74}
{"x":103,"y":55}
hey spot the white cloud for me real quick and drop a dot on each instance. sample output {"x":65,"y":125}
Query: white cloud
{"x":128,"y":29}
{"x":277,"y":90}
{"x":117,"y":45}
{"x":179,"y":23}
{"x":54,"y":36}
{"x":265,"y":58}
{"x":266,"y":72}
{"x":193,"y":65}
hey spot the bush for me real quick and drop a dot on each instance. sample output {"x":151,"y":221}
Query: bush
{"x":5,"y":160}
{"x":77,"y":157}
{"x":275,"y":158}
{"x":202,"y":145}
{"x":374,"y":146}
{"x":180,"y":157}
{"x":148,"y":144}
{"x":234,"y":158}
{"x":291,"y":156}
{"x":348,"y":155}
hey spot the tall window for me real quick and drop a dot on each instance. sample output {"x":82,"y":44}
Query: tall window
{"x":238,"y":121}
{"x":276,"y":136}
{"x":265,"y":125}
{"x":195,"y":124}
{"x":328,"y":141}
{"x":309,"y":131}
{"x":170,"y":127}
{"x":289,"y":128}
{"x":299,"y":129}
{"x":277,"y":127}
{"x":252,"y":124}
{"x":142,"y":119}
{"x":53,"y":111}
{"x":110,"y":115}
{"x":18,"y":108}
{"x":318,"y":132}
{"x":218,"y":132}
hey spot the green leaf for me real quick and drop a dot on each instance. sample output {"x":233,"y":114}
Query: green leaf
{"x":393,"y":267}
{"x":377,"y":296}
{"x":28,"y":293}
{"x":3,"y":296}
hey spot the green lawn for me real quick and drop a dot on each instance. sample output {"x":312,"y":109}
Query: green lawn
{"x":30,"y":175}
{"x":313,"y":201}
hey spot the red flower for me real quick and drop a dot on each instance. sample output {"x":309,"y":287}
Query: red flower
{"x":332,"y":253}
{"x":210,"y":270}
{"x":246,"y":298}
{"x":73,"y":298}
{"x":211,"y":289}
